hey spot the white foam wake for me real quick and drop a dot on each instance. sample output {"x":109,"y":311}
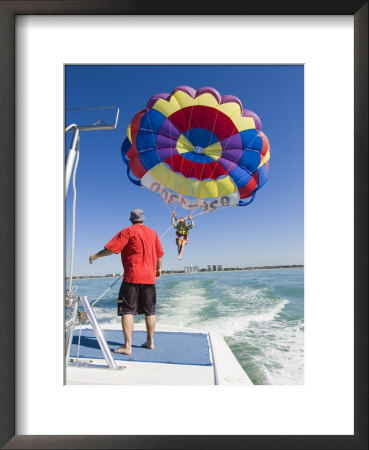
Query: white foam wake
{"x":184,"y":309}
{"x":231,"y":325}
{"x":282,"y":359}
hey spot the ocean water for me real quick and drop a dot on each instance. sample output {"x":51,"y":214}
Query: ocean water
{"x":259,"y":312}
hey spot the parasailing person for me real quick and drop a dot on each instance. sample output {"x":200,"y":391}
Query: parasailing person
{"x":182,"y":226}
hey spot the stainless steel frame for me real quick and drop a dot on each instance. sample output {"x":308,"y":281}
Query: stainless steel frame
{"x":70,"y":326}
{"x":73,"y":300}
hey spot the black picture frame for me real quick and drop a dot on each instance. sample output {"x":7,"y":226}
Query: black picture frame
{"x":8,"y":12}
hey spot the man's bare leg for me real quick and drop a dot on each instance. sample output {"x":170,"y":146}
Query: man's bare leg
{"x":150,"y":327}
{"x":127,"y":325}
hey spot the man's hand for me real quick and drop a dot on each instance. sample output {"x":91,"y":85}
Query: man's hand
{"x":158,"y":267}
{"x":92,"y":258}
{"x":103,"y":252}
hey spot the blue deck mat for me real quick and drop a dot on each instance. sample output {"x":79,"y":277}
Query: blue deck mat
{"x":170,"y":347}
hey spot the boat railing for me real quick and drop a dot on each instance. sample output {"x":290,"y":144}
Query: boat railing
{"x":72,"y":300}
{"x":99,"y":125}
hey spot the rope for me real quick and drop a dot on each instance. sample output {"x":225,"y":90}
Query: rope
{"x":218,"y":208}
{"x":159,"y":199}
{"x":165,"y":232}
{"x":102,"y":295}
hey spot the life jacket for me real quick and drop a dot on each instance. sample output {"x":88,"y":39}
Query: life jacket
{"x":182,"y":228}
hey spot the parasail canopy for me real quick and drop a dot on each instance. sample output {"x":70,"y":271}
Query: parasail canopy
{"x":197,"y":149}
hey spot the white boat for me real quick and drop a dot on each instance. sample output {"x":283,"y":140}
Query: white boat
{"x":224,"y":369}
{"x":91,"y":360}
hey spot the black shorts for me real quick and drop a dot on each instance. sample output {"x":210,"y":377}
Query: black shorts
{"x":136,"y":298}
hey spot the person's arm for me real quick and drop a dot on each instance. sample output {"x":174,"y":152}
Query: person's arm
{"x":191,"y":224}
{"x":174,"y":218}
{"x":158,"y":267}
{"x":104,"y":252}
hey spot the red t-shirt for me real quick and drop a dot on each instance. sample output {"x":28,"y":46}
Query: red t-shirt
{"x":140,"y":248}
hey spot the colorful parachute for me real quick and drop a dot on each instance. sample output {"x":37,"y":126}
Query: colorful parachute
{"x":198,"y":149}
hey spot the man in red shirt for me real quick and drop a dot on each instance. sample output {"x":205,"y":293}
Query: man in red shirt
{"x":141,"y":254}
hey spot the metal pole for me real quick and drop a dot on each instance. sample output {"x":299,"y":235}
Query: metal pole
{"x":98,"y":333}
{"x":70,"y":329}
{"x":72,"y":153}
{"x":71,"y":158}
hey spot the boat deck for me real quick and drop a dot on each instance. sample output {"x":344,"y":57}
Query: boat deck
{"x":180,"y":357}
{"x":170,"y":348}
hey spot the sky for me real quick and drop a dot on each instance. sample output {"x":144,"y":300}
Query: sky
{"x":269,"y":231}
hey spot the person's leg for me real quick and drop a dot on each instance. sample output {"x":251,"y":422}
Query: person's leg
{"x":180,"y":250}
{"x":183,"y":243}
{"x":127,"y":307}
{"x":147,"y":306}
{"x":150,"y":327}
{"x":127,"y":325}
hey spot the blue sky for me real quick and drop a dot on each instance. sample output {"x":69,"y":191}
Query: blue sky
{"x":270,"y":231}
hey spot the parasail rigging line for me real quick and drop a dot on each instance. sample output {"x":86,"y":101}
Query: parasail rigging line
{"x":107,"y":290}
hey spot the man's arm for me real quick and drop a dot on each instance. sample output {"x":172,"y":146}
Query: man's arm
{"x":158,"y":267}
{"x":104,"y":252}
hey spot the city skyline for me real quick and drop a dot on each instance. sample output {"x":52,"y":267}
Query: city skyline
{"x":199,"y":270}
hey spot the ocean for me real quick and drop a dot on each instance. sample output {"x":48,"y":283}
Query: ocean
{"x":260,"y":313}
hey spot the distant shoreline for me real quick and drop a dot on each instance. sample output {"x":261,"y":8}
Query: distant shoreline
{"x":174,"y":272}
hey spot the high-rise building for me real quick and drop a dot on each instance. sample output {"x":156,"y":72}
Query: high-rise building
{"x":191,"y":269}
{"x":215,"y":267}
